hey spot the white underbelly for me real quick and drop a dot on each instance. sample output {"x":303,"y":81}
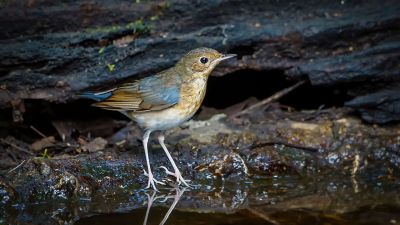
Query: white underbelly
{"x":161,"y":120}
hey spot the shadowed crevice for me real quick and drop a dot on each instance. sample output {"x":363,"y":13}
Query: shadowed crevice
{"x":236,"y":87}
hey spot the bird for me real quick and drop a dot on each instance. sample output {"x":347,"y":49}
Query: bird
{"x":163,"y":101}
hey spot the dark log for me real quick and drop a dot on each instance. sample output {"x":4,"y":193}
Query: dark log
{"x":52,"y":51}
{"x":379,"y":107}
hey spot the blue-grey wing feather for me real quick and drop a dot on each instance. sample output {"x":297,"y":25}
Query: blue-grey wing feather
{"x":147,"y":94}
{"x":157,"y":91}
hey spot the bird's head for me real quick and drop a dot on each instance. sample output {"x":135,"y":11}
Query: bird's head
{"x":201,"y":61}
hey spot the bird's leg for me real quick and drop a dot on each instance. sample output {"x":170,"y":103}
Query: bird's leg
{"x":150,"y":200}
{"x":149,"y":204}
{"x":149,"y":174}
{"x":177,"y":173}
{"x":176,"y":198}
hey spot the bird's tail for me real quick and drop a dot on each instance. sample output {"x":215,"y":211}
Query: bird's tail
{"x":97,"y":96}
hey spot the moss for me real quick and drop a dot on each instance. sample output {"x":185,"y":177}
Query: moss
{"x":138,"y":26}
{"x":160,"y":10}
{"x":45,"y":154}
{"x":111,"y":67}
{"x":101,"y":50}
{"x":154,"y":18}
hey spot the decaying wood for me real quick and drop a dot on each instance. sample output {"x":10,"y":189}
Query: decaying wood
{"x":52,"y":51}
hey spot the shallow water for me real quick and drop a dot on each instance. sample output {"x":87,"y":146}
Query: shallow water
{"x":277,"y":200}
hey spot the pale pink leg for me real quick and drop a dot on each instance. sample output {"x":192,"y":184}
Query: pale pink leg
{"x":152,"y":181}
{"x":177,"y":173}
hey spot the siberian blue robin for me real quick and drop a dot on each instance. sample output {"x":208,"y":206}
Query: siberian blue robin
{"x":164,"y":100}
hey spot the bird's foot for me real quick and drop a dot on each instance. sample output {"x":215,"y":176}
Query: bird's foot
{"x":179,"y":179}
{"x":152,"y":181}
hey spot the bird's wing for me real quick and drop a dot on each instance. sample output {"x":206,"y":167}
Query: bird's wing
{"x":148,"y":94}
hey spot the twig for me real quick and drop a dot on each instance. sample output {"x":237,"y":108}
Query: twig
{"x":19,"y":165}
{"x":272,"y":98}
{"x":15,"y":146}
{"x":38,"y":132}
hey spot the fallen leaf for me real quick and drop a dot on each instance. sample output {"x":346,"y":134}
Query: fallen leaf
{"x":97,"y":144}
{"x":43,"y":143}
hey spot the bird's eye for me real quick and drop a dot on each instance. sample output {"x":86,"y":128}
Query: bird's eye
{"x":203,"y":60}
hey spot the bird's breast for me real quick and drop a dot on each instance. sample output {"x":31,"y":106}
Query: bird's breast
{"x":192,"y":95}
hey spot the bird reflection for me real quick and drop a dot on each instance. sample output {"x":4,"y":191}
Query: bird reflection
{"x":163,"y":198}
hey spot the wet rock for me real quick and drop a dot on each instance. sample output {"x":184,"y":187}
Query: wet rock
{"x":7,"y":193}
{"x":289,"y":164}
{"x":232,"y":152}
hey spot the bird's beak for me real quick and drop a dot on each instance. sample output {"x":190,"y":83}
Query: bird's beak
{"x":226,"y":56}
